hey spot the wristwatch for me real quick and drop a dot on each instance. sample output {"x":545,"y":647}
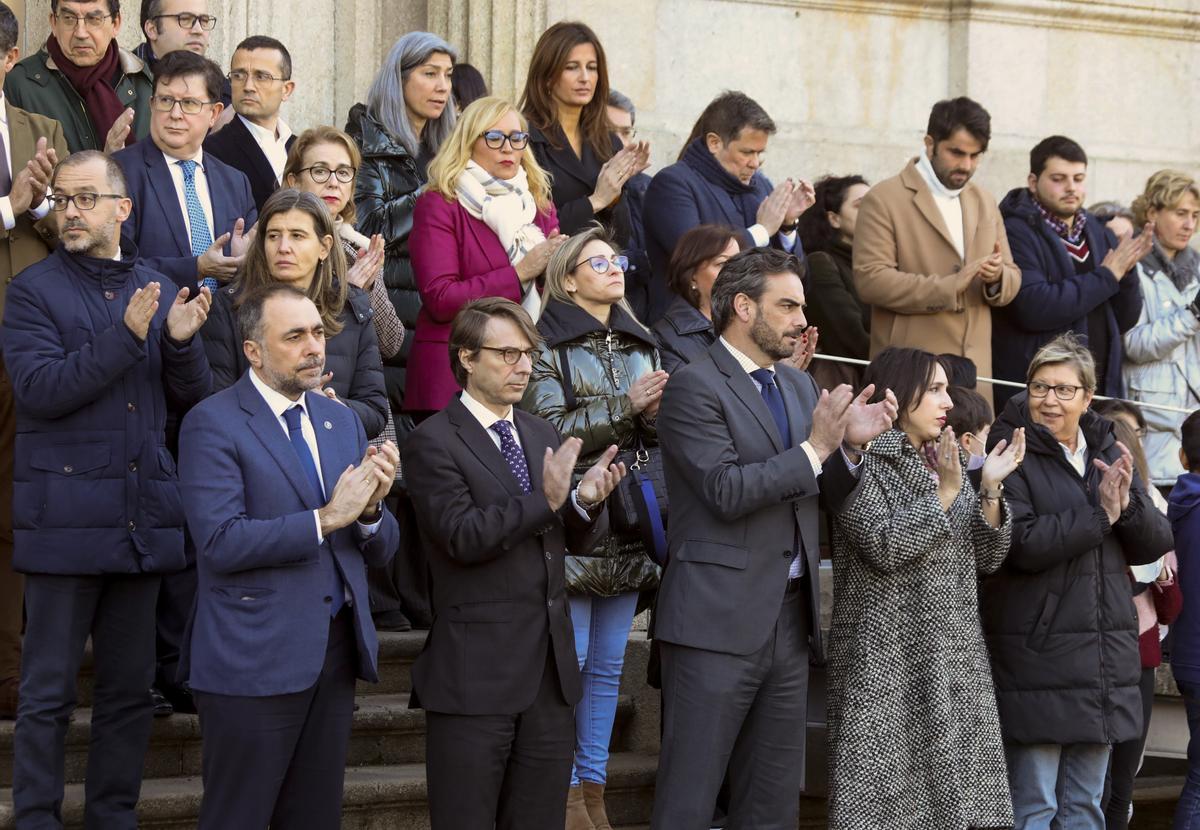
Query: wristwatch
{"x":993,"y":495}
{"x":789,"y":228}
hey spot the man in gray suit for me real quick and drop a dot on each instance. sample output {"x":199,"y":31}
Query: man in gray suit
{"x":749,"y":446}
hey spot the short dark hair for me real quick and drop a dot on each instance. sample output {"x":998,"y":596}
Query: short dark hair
{"x":116,"y":176}
{"x":694,"y":248}
{"x":9,"y":29}
{"x":470,"y":324}
{"x":1191,"y":441}
{"x":907,"y":372}
{"x":1056,"y":146}
{"x":622,"y":102}
{"x":971,"y":411}
{"x":960,"y":371}
{"x":467,"y":85}
{"x":730,"y":113}
{"x":150,"y":10}
{"x":251,"y":303}
{"x":959,"y":113}
{"x":114,"y":7}
{"x":255,"y":42}
{"x":816,"y":234}
{"x":183,"y":63}
{"x":747,"y":274}
{"x":1109,"y":407}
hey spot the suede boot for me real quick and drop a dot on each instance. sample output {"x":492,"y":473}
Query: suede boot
{"x":577,"y":811}
{"x":593,"y":798}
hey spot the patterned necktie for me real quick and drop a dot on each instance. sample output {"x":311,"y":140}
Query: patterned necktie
{"x":201,"y":238}
{"x":513,"y":455}
{"x":774,"y":401}
{"x":296,"y":433}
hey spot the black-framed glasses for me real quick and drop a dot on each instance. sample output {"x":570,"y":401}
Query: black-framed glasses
{"x":320,"y":174}
{"x":495,"y":139}
{"x":83,"y":201}
{"x":1063,"y":391}
{"x":601,"y":264}
{"x":511,"y":355}
{"x":187,"y":20}
{"x":261,"y":78}
{"x":189,"y":106}
{"x":94,"y":20}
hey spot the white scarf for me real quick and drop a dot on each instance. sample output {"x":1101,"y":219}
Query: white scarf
{"x":925,"y":167}
{"x":508,"y":208}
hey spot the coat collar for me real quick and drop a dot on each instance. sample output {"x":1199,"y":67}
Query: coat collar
{"x":563,"y":322}
{"x":911,"y":178}
{"x":481,"y":445}
{"x":686,"y":318}
{"x":130,"y":63}
{"x":582,"y":167}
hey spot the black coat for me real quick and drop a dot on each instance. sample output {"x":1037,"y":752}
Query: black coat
{"x":1059,"y":616}
{"x":235,"y":145}
{"x":683,"y":334}
{"x":352,"y":355}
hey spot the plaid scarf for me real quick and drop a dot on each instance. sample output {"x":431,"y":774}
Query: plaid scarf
{"x":1072,"y":234}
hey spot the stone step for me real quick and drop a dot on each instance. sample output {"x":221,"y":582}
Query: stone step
{"x":376,"y":798}
{"x":385,"y":732}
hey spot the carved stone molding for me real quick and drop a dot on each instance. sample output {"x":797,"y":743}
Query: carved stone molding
{"x":497,"y":36}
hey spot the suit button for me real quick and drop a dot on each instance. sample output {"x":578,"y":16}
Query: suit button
{"x":133,"y":466}
{"x":787,"y":554}
{"x":549,"y":603}
{"x":548,"y":556}
{"x":68,"y":468}
{"x":329,"y":599}
{"x":109,"y":295}
{"x":132,"y":527}
{"x":132,"y":407}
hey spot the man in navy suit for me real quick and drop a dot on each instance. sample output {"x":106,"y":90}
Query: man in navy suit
{"x":189,"y":209}
{"x":283,"y":499}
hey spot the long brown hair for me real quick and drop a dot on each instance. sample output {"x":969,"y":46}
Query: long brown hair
{"x":696,"y":247}
{"x":537,"y":102}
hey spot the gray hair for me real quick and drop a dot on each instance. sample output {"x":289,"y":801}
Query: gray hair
{"x":622,"y":102}
{"x":1068,"y":349}
{"x":746,"y":273}
{"x":385,"y":98}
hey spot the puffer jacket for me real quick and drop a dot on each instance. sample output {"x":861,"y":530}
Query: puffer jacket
{"x":604,"y":363}
{"x":1162,"y":360}
{"x":385,"y":193}
{"x":1059,"y":615}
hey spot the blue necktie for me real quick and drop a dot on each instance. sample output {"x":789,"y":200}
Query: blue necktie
{"x":513,"y":455}
{"x":296,"y":434}
{"x":201,"y":238}
{"x":774,"y":402}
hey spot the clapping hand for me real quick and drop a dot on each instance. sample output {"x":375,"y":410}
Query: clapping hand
{"x":992,"y":267}
{"x":367,"y":264}
{"x":1129,"y":251}
{"x":1004,"y":458}
{"x":949,"y":468}
{"x":185,"y":319}
{"x":141,"y":309}
{"x":1114,"y":486}
{"x":601,"y":478}
{"x":118,"y":133}
{"x":867,"y":420}
{"x":646,"y":392}
{"x":772,"y":211}
{"x":352,"y":494}
{"x":385,"y":458}
{"x":804,"y":196}
{"x":806,"y":347}
{"x":534,"y":262}
{"x":630,"y":160}
{"x":557,"y":468}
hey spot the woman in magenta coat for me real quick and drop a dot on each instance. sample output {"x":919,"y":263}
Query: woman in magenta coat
{"x":485,"y":227}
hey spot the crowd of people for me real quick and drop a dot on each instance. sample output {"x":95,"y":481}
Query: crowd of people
{"x":465,"y":365}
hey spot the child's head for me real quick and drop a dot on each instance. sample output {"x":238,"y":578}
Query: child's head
{"x":971,"y":419}
{"x":1189,"y":451}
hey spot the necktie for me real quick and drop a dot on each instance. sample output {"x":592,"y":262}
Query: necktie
{"x":774,"y":401}
{"x":5,"y":172}
{"x":293,"y":417}
{"x":513,"y":455}
{"x":201,"y":238}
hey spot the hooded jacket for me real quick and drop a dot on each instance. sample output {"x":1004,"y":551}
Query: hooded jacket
{"x":1058,"y":615}
{"x":1184,"y":513}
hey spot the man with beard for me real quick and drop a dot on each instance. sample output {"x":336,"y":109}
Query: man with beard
{"x":930,"y":253}
{"x":749,"y":445}
{"x":284,"y":503}
{"x":97,"y":346}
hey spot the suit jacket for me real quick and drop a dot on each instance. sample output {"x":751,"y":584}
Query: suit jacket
{"x":261,"y":619}
{"x":156,"y":224}
{"x":739,"y":501}
{"x":496,"y":563}
{"x":234,"y":144}
{"x":28,"y":242}
{"x":906,"y":269}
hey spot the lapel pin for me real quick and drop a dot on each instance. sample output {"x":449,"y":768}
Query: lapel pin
{"x":328,"y":425}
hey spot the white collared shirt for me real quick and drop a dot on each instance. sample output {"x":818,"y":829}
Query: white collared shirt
{"x":201,"y":180}
{"x":1077,"y":459}
{"x":6,"y":211}
{"x":273,"y":145}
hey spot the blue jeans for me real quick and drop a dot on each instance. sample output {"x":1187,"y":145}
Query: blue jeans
{"x":1056,"y":786}
{"x":601,"y":633}
{"x":1187,"y":811}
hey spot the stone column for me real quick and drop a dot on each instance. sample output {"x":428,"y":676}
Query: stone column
{"x":496,"y":36}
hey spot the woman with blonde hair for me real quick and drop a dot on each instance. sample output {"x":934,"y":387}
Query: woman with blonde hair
{"x":1162,"y":351}
{"x":484,"y":227}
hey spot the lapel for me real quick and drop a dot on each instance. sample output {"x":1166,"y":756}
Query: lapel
{"x":923,"y":199}
{"x":486,"y":242}
{"x":329,"y":439}
{"x":20,"y":137}
{"x":744,"y":389}
{"x":532,"y":447}
{"x":256,"y":159}
{"x":480,"y":443}
{"x":163,"y":187}
{"x":582,"y":168}
{"x":970,"y":213}
{"x":269,"y":431}
{"x":799,"y":421}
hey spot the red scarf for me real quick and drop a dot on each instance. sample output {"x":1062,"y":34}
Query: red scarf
{"x":95,"y":86}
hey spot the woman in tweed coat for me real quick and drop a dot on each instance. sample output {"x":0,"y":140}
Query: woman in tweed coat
{"x":914,"y":739}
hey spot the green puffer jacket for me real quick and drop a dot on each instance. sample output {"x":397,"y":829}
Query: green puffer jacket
{"x":604,"y":363}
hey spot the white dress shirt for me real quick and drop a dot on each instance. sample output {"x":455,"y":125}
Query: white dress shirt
{"x":6,"y":210}
{"x":1077,"y":459}
{"x":762,"y":239}
{"x":273,"y":144}
{"x":201,"y":180}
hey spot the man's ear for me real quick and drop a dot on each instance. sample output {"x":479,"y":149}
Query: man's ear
{"x":253,"y":353}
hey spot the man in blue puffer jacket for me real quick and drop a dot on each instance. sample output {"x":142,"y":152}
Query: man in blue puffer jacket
{"x":96,"y":345}
{"x":1184,"y":513}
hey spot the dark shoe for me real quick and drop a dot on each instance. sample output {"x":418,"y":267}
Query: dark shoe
{"x":8,"y":699}
{"x":162,"y":706}
{"x":391,"y":621}
{"x":180,"y":698}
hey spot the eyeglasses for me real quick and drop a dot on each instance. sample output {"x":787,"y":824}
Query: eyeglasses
{"x":83,"y":201}
{"x":92,"y":21}
{"x":320,"y":174}
{"x":1064,"y":391}
{"x":495,"y":139}
{"x":239,"y":76}
{"x":189,"y":106}
{"x":601,"y":264}
{"x":187,"y":20}
{"x":510,"y":355}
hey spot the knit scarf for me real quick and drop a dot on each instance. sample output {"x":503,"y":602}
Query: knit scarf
{"x":925,"y":167}
{"x":508,"y":208}
{"x":1072,"y":234}
{"x":1183,"y":270}
{"x":95,"y":86}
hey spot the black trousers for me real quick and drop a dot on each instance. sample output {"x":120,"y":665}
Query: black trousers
{"x":281,"y":760}
{"x":176,"y":598}
{"x":1124,"y":762}
{"x":508,"y":772}
{"x":117,"y":611}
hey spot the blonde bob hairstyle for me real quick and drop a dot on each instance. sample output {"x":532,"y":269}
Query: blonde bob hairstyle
{"x":1066,"y":349}
{"x":456,"y":150}
{"x":314,"y":137}
{"x":1164,"y":191}
{"x":562,"y":261}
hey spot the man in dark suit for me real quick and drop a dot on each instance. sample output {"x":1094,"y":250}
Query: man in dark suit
{"x":499,"y":677}
{"x":749,"y":445}
{"x":257,"y":140}
{"x":283,"y":499}
{"x":189,"y":210}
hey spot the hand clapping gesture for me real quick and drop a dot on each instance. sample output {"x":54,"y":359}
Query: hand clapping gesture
{"x":806,"y":347}
{"x":630,"y":160}
{"x":366,"y":264}
{"x":949,"y":468}
{"x":185,"y":319}
{"x":601,"y":478}
{"x":1004,"y":458}
{"x":1114,"y":486}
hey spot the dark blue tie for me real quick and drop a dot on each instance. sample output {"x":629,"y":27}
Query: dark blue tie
{"x":513,"y":455}
{"x":774,"y":402}
{"x":293,"y":417}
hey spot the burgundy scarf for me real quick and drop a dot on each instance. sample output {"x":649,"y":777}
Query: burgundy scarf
{"x":94,"y":85}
